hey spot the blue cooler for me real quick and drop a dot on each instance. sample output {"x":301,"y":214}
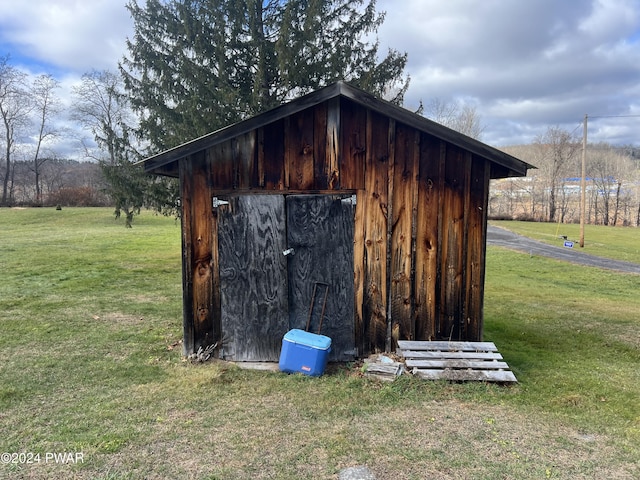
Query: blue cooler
{"x":304,"y":352}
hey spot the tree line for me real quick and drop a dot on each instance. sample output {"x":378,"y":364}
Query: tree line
{"x":193,"y":66}
{"x":190,"y":67}
{"x":552,"y":191}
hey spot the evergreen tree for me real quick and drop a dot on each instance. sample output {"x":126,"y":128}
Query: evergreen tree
{"x":194,"y":66}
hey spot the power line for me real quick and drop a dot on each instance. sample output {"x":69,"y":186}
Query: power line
{"x":614,"y":116}
{"x":577,"y":127}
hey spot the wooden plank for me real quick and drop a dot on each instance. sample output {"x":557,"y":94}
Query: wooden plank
{"x":451,"y":292}
{"x":391,"y":163}
{"x":220,"y":158}
{"x":358,"y":275}
{"x":286,"y":163}
{"x":452,"y":355}
{"x":353,"y":124}
{"x":273,"y":156}
{"x":457,"y":363}
{"x":215,"y":280}
{"x":384,"y":372}
{"x":260,"y":157}
{"x":321,"y":166}
{"x":253,"y":277}
{"x":374,"y":202}
{"x":298,"y":147}
{"x":467,"y":375}
{"x":415,"y":169}
{"x":201,"y":253}
{"x":448,"y":346}
{"x":244,"y":161}
{"x":465,"y":317}
{"x":476,"y":248}
{"x":404,"y":183}
{"x":332,"y":137}
{"x":186,"y":189}
{"x":431,"y":168}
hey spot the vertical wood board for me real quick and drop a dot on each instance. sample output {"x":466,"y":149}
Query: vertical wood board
{"x":202,"y":254}
{"x":353,"y":136}
{"x":321,"y":164}
{"x":358,"y":274}
{"x":427,"y":243}
{"x":223,"y":170}
{"x":299,"y":149}
{"x":374,"y":219}
{"x":404,"y":183}
{"x":244,"y":161}
{"x":391,"y":164}
{"x":452,"y":245}
{"x":332,"y":143}
{"x":272,"y":156}
{"x":186,"y":190}
{"x":476,"y":249}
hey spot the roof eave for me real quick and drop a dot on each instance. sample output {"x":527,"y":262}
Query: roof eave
{"x":160,"y":163}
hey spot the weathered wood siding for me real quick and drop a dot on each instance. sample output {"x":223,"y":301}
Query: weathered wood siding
{"x":419,"y":229}
{"x":475,"y":212}
{"x":428,"y":236}
{"x":201,"y":297}
{"x":403,"y":225}
{"x":371,"y":240}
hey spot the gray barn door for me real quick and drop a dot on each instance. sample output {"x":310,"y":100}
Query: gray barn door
{"x":253,"y":277}
{"x":264,"y":293}
{"x":320,"y":231}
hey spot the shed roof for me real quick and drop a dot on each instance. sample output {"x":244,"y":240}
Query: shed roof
{"x":161,"y":163}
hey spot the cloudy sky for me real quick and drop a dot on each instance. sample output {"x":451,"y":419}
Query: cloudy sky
{"x":525,"y":65}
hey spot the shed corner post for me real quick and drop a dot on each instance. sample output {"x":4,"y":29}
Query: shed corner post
{"x":199,"y":260}
{"x":188,"y":342}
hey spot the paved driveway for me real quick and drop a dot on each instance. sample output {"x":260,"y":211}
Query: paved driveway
{"x":504,"y":238}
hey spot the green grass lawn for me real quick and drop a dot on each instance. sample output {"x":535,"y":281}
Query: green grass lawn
{"x":90,"y":313}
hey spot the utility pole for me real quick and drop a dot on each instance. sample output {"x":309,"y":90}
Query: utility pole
{"x":583,"y":181}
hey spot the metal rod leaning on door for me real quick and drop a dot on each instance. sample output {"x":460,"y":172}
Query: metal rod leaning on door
{"x":313,"y":301}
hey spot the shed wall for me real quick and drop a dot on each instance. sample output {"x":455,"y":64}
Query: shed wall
{"x":420,"y":221}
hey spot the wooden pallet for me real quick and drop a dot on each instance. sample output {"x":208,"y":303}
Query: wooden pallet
{"x":456,"y":361}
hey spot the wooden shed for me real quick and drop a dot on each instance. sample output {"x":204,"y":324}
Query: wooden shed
{"x":336,"y":205}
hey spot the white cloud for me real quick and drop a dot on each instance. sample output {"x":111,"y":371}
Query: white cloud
{"x":66,"y":34}
{"x":525,"y":65}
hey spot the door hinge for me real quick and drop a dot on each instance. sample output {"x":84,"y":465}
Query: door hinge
{"x":350,"y":200}
{"x":217,"y":202}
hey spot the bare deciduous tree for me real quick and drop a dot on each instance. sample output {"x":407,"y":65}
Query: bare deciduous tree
{"x":46,"y":106}
{"x":14,"y":110}
{"x":458,"y":116}
{"x":557,"y":152}
{"x":608,"y":170}
{"x":101,"y":107}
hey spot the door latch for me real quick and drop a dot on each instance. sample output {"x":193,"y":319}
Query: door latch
{"x":288,"y":251}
